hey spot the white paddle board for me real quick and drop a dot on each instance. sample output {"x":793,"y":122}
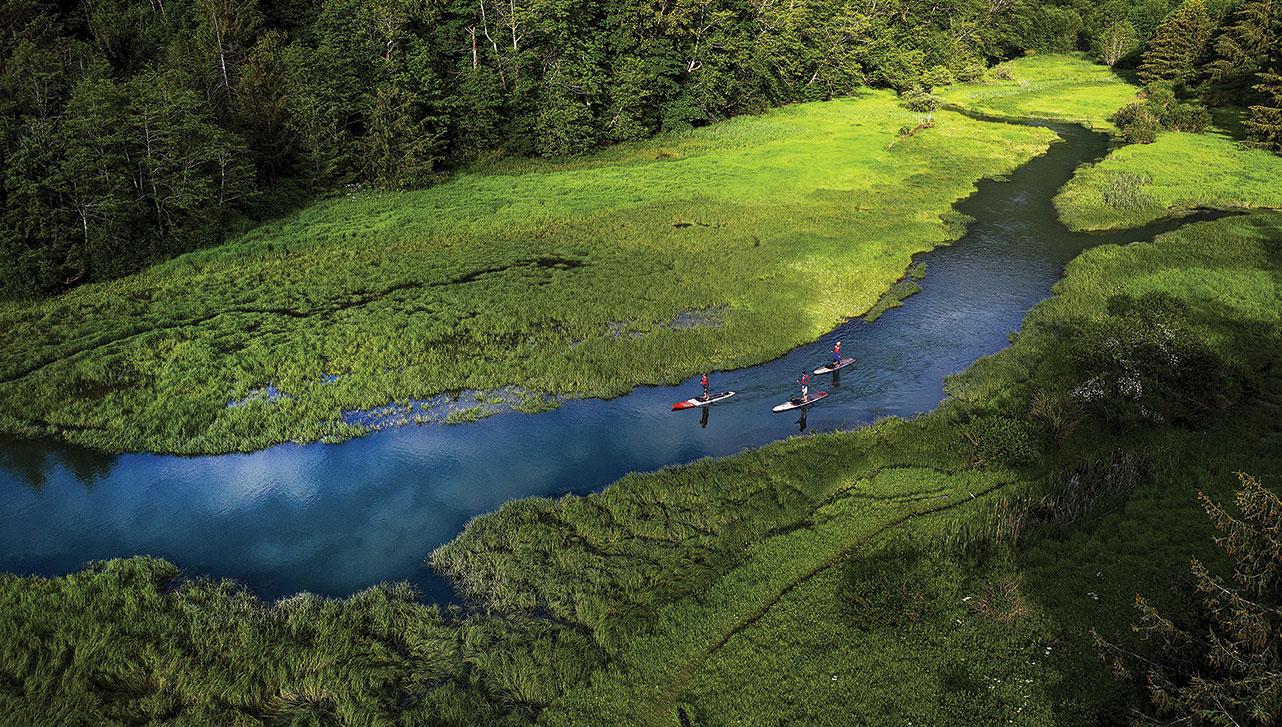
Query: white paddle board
{"x":700,"y":401}
{"x":829,"y":368}
{"x":797,"y":402}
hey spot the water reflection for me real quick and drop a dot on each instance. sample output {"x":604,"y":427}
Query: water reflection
{"x":30,"y":462}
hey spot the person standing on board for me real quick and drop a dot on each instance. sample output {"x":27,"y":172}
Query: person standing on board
{"x":836,"y":355}
{"x":704,"y":380}
{"x":805,"y":385}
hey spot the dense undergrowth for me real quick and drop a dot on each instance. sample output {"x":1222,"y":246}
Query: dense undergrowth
{"x":559,"y":278}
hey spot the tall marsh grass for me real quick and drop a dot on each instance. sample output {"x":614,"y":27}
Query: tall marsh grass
{"x":511,"y":275}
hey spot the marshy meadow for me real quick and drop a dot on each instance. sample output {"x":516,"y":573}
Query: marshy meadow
{"x":1086,"y":530}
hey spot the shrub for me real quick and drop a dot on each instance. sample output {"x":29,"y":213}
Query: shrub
{"x":971,"y":72}
{"x":1147,"y":363}
{"x":937,"y":76}
{"x":1159,"y":110}
{"x":1137,"y":123}
{"x":920,"y":100}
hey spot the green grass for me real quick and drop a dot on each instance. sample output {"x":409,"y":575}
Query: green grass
{"x":897,"y":624}
{"x":894,"y":298}
{"x":1065,"y":88}
{"x":123,"y":643}
{"x":1177,"y":172}
{"x":558,"y":277}
{"x":735,"y":590}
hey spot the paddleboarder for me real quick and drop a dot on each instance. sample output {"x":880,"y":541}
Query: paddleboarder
{"x":836,"y":355}
{"x":805,"y":385}
{"x":706,"y":393}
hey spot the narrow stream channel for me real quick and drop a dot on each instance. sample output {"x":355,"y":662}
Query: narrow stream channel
{"x":332,"y":519}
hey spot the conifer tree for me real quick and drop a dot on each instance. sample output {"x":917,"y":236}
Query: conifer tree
{"x":1221,"y":664}
{"x":1241,"y":51}
{"x":1177,"y":50}
{"x":1264,"y":125}
{"x":397,"y":149}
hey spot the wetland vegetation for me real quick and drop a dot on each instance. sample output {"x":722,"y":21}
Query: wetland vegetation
{"x":519,"y":274}
{"x":965,"y":566}
{"x":855,"y":575}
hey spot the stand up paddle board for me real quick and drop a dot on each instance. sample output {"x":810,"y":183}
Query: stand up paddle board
{"x":700,"y":401}
{"x":829,"y":367}
{"x":797,"y":402}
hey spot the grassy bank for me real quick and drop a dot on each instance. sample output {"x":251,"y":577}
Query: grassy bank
{"x":563,"y":278}
{"x":944,"y":570}
{"x":1140,"y":183}
{"x":122,"y":643}
{"x":1063,"y":88}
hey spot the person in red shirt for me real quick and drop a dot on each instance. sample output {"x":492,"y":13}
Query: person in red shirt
{"x":805,"y":385}
{"x":704,"y":380}
{"x":836,"y":355}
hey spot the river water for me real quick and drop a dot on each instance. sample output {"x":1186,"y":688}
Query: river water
{"x":335,"y":518}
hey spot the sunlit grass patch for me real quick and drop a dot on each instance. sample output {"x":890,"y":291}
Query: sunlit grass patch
{"x":1178,"y":171}
{"x":1059,"y":87}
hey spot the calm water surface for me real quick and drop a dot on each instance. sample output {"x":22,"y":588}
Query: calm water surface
{"x":333,"y":519}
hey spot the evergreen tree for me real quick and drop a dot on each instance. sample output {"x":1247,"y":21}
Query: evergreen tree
{"x":397,"y":149}
{"x":33,"y":209}
{"x":262,"y":108}
{"x":1221,"y":664}
{"x":1264,"y":125}
{"x":1241,"y":51}
{"x":1176,"y":52}
{"x":128,"y":35}
{"x":565,"y":125}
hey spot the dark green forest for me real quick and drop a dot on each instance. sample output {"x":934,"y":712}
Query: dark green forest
{"x":134,"y":130}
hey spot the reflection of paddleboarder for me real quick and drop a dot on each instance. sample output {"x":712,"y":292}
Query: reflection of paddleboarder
{"x":805,"y":385}
{"x":836,"y":355}
{"x":704,"y":381}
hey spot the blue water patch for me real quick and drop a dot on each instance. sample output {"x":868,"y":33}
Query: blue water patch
{"x":468,"y":405}
{"x":269,"y":394}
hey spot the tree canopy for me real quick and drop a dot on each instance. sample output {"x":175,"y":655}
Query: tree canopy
{"x":133,"y":131}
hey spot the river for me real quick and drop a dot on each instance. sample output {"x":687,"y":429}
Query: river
{"x":335,"y":518}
